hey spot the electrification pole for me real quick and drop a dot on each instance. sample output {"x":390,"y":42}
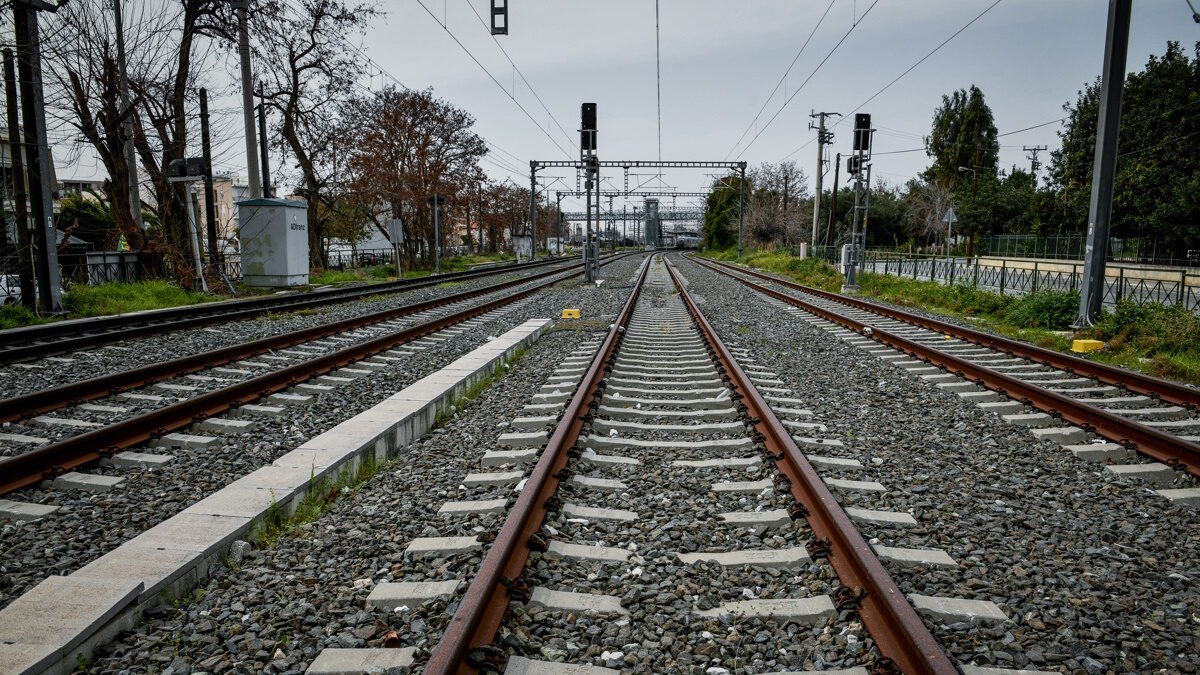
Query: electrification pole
{"x":1116,"y":47}
{"x":37,"y":153}
{"x":533,"y":208}
{"x":823,"y":137}
{"x":25,"y":274}
{"x":741,"y":207}
{"x":837,"y":167}
{"x":242,"y":7}
{"x":135,"y":199}
{"x":210,"y":199}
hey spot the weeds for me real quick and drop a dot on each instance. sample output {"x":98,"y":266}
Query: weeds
{"x":117,"y":298}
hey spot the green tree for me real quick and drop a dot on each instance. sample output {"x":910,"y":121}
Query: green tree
{"x":721,"y":212}
{"x":1157,"y":189}
{"x":962,"y":126}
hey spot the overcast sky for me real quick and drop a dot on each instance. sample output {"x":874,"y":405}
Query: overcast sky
{"x":721,"y":60}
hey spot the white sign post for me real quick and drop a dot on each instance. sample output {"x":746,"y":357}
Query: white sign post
{"x":396,"y":236}
{"x":949,"y":219}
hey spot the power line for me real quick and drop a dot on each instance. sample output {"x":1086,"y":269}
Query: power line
{"x":887,"y":86}
{"x":810,"y":76}
{"x":1036,"y":126}
{"x":782,"y":79}
{"x":512,"y":98}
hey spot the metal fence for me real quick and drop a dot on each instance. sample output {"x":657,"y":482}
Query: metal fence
{"x":1146,"y":250}
{"x":1141,"y":285}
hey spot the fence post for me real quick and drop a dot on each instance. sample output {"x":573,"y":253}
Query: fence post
{"x":951,"y":283}
{"x":1182,"y":286}
{"x":1073,"y":268}
{"x":914,"y":263}
{"x":1003,"y":273}
{"x":975,"y":282}
{"x":1035,"y":276}
{"x":1121,"y":284}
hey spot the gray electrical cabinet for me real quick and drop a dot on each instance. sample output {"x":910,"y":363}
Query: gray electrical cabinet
{"x":274,"y":240}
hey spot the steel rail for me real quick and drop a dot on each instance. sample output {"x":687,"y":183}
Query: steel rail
{"x":48,"y":461}
{"x":46,"y":400}
{"x":482,"y":607}
{"x":19,"y":344}
{"x":1166,"y":448}
{"x":894,"y":625}
{"x":1165,"y":390}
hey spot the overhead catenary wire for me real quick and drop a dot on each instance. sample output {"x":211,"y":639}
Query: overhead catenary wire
{"x":482,"y":67}
{"x":809,"y":78}
{"x":908,"y":70}
{"x":782,"y":79}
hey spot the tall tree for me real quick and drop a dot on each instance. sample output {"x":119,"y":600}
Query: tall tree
{"x":1157,"y":188}
{"x":720,"y":228}
{"x":962,"y":126}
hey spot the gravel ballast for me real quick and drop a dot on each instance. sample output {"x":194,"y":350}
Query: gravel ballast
{"x":1095,"y":573}
{"x":90,"y":524}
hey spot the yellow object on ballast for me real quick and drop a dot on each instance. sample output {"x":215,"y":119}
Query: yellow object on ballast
{"x":570,"y":314}
{"x":1082,"y":346}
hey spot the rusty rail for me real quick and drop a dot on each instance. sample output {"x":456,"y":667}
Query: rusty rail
{"x":1165,"y":390}
{"x":43,"y":401}
{"x":894,"y":625}
{"x":19,"y":344}
{"x":49,"y":461}
{"x":473,"y":627}
{"x":1166,"y":448}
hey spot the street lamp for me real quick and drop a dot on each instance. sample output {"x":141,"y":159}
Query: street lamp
{"x":974,"y":194}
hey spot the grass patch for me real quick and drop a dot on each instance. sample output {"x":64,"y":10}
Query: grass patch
{"x":322,"y":494}
{"x":810,"y":271}
{"x":118,"y":298}
{"x":15,"y":316}
{"x":1160,"y":340}
{"x":472,"y":392}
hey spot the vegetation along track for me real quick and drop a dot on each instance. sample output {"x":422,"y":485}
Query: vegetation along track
{"x":1118,"y":405}
{"x":664,"y":390}
{"x":51,"y":460}
{"x":23,"y":344}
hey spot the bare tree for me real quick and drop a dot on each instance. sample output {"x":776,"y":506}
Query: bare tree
{"x":308,"y":68}
{"x":928,"y":202}
{"x":778,"y":204}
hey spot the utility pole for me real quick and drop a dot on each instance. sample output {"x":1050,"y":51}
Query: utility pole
{"x":210,"y":198}
{"x":558,"y":212}
{"x":479,"y":225}
{"x":436,"y":201}
{"x":135,"y":199}
{"x":37,"y":153}
{"x":1116,"y":48}
{"x":533,"y":208}
{"x":837,"y":166}
{"x":1034,"y":164}
{"x":20,"y":203}
{"x":262,"y":137}
{"x":242,"y":7}
{"x":823,"y":137}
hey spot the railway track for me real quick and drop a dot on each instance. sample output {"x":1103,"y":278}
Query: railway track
{"x":664,"y":408}
{"x":24,"y":344}
{"x":1131,"y":413}
{"x":332,"y":361}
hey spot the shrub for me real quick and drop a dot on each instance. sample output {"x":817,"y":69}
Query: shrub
{"x":1052,"y":310}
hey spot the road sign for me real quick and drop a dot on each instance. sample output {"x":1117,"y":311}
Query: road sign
{"x":950,"y":218}
{"x":395,"y":231}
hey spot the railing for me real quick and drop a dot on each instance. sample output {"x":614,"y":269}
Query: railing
{"x":1141,"y":285}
